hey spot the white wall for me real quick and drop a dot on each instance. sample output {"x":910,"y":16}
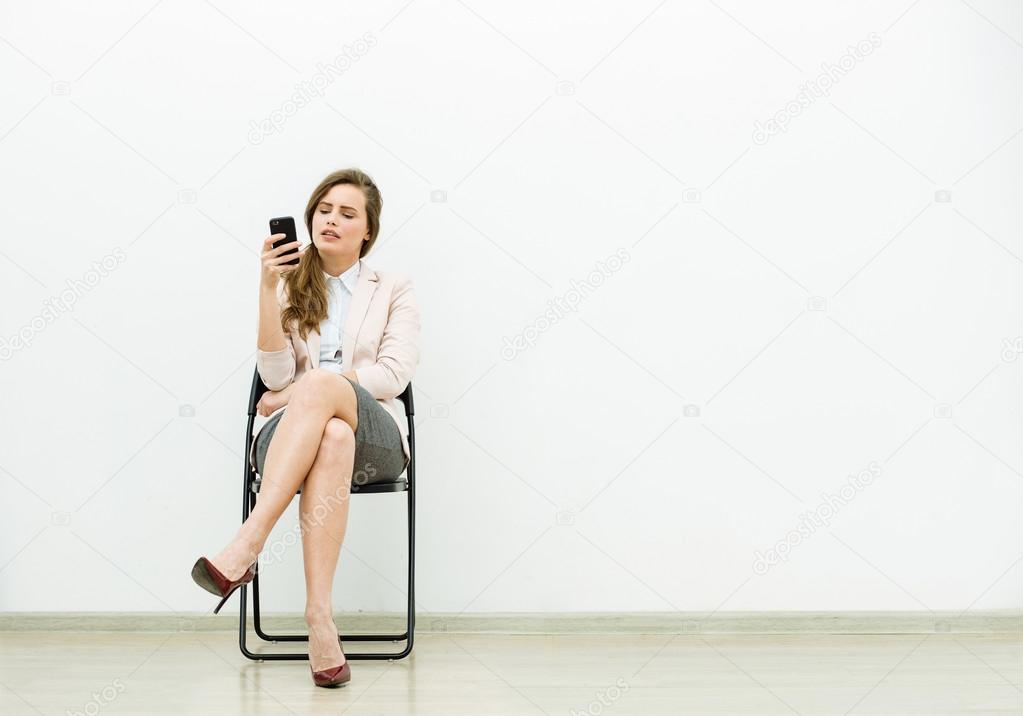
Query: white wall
{"x":793,"y":309}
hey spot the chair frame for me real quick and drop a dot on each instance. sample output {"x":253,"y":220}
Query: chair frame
{"x":250,"y":490}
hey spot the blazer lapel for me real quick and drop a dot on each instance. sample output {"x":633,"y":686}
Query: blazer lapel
{"x":364,"y":289}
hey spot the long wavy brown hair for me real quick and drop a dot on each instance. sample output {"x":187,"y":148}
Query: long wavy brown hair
{"x":305,"y":286}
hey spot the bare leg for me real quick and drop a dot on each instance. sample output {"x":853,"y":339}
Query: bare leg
{"x":318,"y":396}
{"x":324,"y":517}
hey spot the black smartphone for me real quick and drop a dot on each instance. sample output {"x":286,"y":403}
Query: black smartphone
{"x":285,"y":225}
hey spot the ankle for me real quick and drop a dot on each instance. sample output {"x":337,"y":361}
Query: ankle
{"x":315,"y":616}
{"x":249,"y":541}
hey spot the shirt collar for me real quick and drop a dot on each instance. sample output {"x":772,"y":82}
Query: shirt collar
{"x":349,"y":277}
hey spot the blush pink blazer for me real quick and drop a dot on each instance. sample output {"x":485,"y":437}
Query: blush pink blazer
{"x":380,"y":341}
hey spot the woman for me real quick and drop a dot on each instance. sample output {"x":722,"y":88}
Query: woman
{"x":338,"y":342}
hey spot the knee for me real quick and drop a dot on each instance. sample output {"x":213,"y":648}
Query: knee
{"x":338,"y":437}
{"x":311,"y":386}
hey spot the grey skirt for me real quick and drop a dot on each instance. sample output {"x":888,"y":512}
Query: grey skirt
{"x":379,"y":456}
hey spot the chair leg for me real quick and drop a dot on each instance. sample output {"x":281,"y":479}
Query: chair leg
{"x":243,"y":622}
{"x":407,"y":636}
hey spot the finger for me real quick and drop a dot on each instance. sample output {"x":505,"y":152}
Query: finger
{"x":268,"y":241}
{"x":284,"y":248}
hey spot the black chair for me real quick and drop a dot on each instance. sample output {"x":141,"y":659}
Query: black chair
{"x":403,"y":484}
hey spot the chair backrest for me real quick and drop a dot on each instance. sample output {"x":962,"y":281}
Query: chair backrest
{"x":259,"y":387}
{"x":406,"y":400}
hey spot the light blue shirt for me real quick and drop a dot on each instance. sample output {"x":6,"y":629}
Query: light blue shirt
{"x":340,"y":290}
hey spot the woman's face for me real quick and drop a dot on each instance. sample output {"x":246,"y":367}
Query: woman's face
{"x":339,"y":222}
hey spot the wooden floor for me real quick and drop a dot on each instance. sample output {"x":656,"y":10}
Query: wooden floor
{"x":203,"y":673}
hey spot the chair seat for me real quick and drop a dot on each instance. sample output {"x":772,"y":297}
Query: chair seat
{"x":399,"y":485}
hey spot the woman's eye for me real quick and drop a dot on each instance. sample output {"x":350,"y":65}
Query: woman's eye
{"x":349,"y":216}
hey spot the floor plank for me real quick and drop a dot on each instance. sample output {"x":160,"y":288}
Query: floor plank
{"x":162,"y":673}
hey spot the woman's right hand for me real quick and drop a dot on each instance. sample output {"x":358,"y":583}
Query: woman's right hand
{"x":275,"y":263}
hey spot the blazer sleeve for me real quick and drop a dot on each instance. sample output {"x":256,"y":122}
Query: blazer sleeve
{"x":277,"y":368}
{"x":398,"y":354}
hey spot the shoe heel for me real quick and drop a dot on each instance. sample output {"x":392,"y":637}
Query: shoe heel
{"x":223,"y":601}
{"x":207,"y":576}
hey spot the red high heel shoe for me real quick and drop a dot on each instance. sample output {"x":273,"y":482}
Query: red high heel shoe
{"x":334,"y":676}
{"x":212,"y":580}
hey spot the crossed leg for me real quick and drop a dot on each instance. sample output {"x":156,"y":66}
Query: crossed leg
{"x":314,"y":444}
